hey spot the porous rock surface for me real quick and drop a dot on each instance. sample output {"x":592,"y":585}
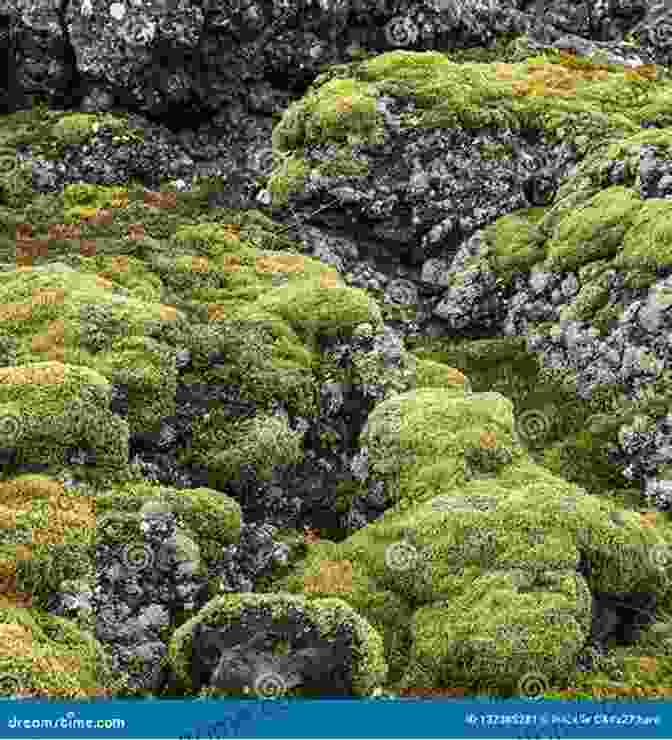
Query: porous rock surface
{"x":373,"y":395}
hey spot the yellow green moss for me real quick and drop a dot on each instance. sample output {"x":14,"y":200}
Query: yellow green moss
{"x":262,"y":442}
{"x":594,"y":232}
{"x":211,"y":517}
{"x":79,"y":128}
{"x":57,"y":406}
{"x":75,"y":317}
{"x":43,"y":656}
{"x":48,"y":533}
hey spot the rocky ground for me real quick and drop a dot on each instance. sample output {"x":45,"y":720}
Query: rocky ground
{"x":371,"y":397}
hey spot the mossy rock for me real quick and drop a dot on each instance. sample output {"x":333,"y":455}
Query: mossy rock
{"x":328,"y":616}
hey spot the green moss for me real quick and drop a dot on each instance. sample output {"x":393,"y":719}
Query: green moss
{"x":46,"y":656}
{"x":262,"y":442}
{"x":495,"y":151}
{"x":211,"y":517}
{"x":77,"y":128}
{"x":594,"y":232}
{"x":431,"y":374}
{"x":346,"y":492}
{"x":318,"y":305}
{"x":592,"y":297}
{"x":344,"y":165}
{"x":517,"y":244}
{"x":83,"y":200}
{"x":62,"y":543}
{"x":49,"y":401}
{"x":647,"y":242}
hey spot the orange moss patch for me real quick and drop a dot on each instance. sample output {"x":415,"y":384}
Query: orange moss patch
{"x":200,"y":264}
{"x":648,"y":663}
{"x":16,"y":311}
{"x":64,"y":231}
{"x":167,"y":313}
{"x":87,"y":247}
{"x":560,"y":79}
{"x":344,"y":104}
{"x":23,"y":231}
{"x":48,"y":296}
{"x":488,"y":440}
{"x":231,"y":263}
{"x":280,"y":263}
{"x":328,"y":280}
{"x":160,"y":200}
{"x":63,"y":511}
{"x":119,"y":199}
{"x":15,"y":639}
{"x":119,"y":264}
{"x":334,"y":576}
{"x":232,"y":231}
{"x":51,"y":342}
{"x":136,"y":231}
{"x":28,"y":249}
{"x":648,"y":519}
{"x":642,"y":72}
{"x":101,"y":217}
{"x":33,"y":375}
{"x":103,"y":282}
{"x":10,"y":596}
{"x":311,"y":535}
